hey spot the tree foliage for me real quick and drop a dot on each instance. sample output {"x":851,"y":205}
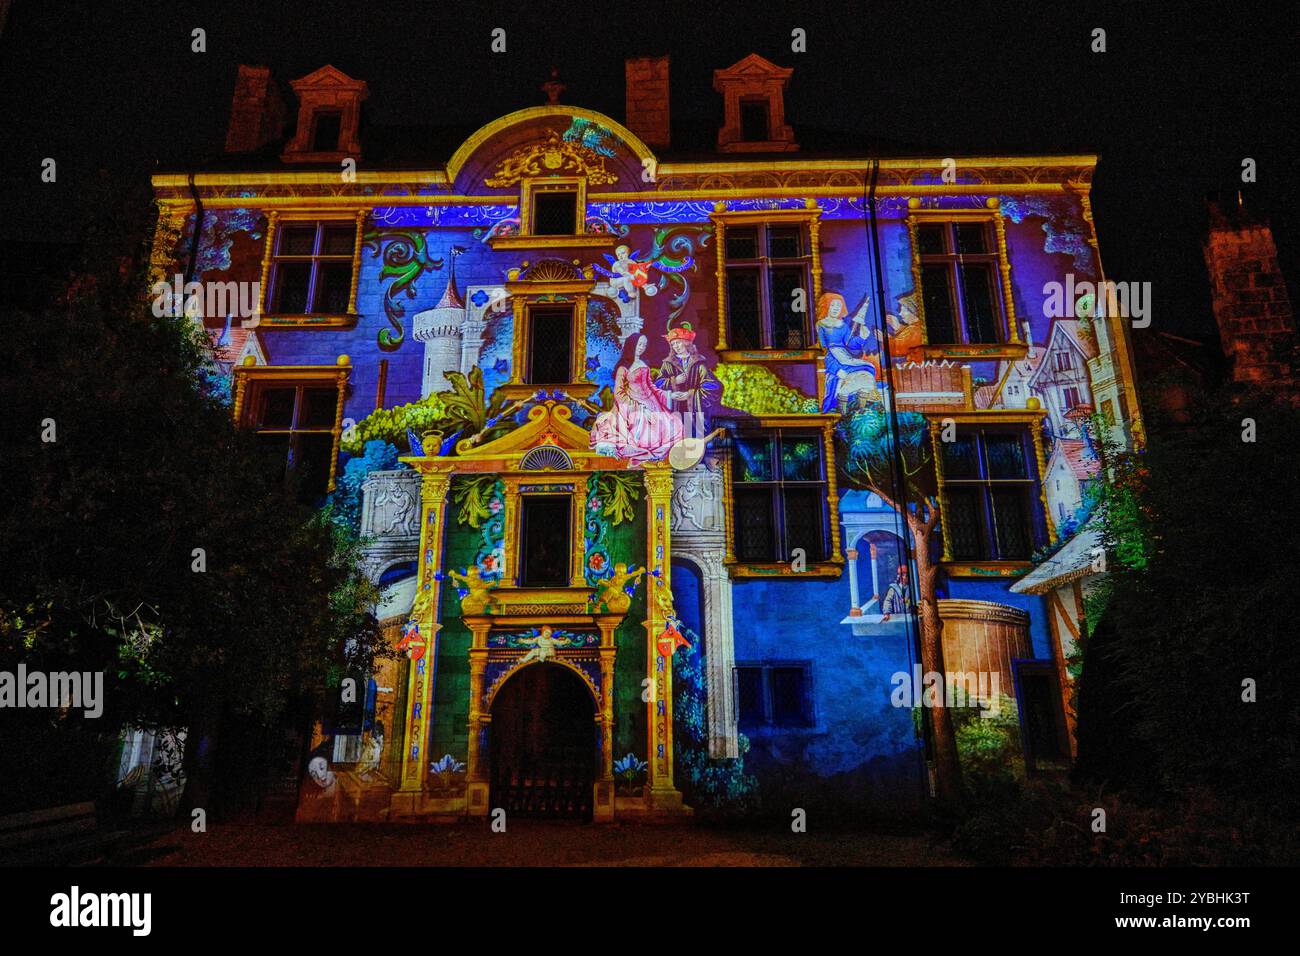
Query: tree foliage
{"x":1201,"y":599}
{"x":151,"y":539}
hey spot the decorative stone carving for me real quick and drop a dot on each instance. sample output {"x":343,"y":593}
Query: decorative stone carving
{"x":390,"y":520}
{"x":697,"y":501}
{"x":390,"y":504}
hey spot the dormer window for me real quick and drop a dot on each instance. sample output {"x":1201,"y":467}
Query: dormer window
{"x":753,"y":101}
{"x":329,"y":112}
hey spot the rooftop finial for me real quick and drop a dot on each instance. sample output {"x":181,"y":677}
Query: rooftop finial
{"x":553,"y":87}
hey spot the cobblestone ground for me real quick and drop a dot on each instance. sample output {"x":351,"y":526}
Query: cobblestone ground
{"x":536,"y":843}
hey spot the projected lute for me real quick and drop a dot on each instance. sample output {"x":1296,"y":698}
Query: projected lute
{"x":688,"y":452}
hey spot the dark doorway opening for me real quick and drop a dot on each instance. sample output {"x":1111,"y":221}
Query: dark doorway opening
{"x":544,"y":755}
{"x":544,"y":541}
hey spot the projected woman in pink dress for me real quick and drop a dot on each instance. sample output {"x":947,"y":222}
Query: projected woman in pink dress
{"x":642,"y":425}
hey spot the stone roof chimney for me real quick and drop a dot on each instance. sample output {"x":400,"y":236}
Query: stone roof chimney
{"x":257,"y":112}
{"x":1251,"y":304}
{"x":647,"y":100}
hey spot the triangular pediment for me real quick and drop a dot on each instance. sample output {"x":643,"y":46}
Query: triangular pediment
{"x":752,"y":67}
{"x":327,"y":77}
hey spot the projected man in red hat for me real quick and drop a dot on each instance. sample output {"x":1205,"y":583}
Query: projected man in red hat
{"x":690,"y":383}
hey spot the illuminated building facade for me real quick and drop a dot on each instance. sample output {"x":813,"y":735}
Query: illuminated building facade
{"x":586,"y":404}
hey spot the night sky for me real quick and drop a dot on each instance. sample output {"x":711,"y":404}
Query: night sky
{"x":1182,"y":95}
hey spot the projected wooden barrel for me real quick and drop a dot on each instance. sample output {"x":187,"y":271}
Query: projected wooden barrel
{"x":983,"y":637}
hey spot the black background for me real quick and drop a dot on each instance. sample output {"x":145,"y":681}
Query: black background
{"x":1184,"y":92}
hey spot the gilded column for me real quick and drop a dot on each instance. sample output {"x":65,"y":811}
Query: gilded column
{"x":937,"y":453}
{"x":476,"y":776}
{"x":424,"y":614}
{"x":272,"y":223}
{"x":832,"y":490}
{"x":1040,"y":456}
{"x":659,"y":709}
{"x":1000,"y":228}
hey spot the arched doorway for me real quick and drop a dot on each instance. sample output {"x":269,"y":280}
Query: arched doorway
{"x":543,"y":744}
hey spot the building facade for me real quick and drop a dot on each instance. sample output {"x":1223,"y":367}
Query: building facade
{"x":586,"y":403}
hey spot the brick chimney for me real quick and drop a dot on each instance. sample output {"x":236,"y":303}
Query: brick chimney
{"x":1251,"y":305}
{"x":647,"y":99}
{"x":256,"y":113}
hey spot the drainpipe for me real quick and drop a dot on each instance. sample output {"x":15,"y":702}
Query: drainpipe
{"x":898,"y":470}
{"x":194,"y":238}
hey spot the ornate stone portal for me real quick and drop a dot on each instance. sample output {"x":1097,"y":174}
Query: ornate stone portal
{"x":506,"y":621}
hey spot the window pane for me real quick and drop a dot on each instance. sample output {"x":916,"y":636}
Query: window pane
{"x":297,"y":240}
{"x":544,"y":548}
{"x":753,"y":121}
{"x":555,"y":213}
{"x":936,"y":294}
{"x":339,"y":240}
{"x":311,"y":465}
{"x":333,"y":288}
{"x":550,"y":345}
{"x":929,"y":239}
{"x":292,"y":281}
{"x":754,"y":459}
{"x":789,"y":707}
{"x":961,"y":457}
{"x":277,"y":447}
{"x":742,"y":244}
{"x":743,"y":316}
{"x":275,"y":408}
{"x":972,"y":237}
{"x":755,"y":527}
{"x":787,"y":324}
{"x":980,"y":303}
{"x":1006,"y":456}
{"x":805,"y":525}
{"x":318,"y":407}
{"x":1011,"y":519}
{"x":801,"y":458}
{"x":783,"y":242}
{"x":961,"y":516}
{"x":749,"y":696}
{"x":325,"y":133}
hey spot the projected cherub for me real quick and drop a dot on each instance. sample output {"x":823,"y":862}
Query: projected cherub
{"x":545,"y":643}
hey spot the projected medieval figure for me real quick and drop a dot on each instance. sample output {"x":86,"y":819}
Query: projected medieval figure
{"x":692,"y":385}
{"x":641,"y":426}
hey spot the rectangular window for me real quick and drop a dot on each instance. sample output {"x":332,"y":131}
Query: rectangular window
{"x":779,"y":490}
{"x":774,"y":694}
{"x":768,"y":287}
{"x":295,"y":421}
{"x":555,"y":212}
{"x":960,"y":283}
{"x":550,"y":346}
{"x":544,"y":541}
{"x":325,"y":131}
{"x":311,"y":270}
{"x":988,"y":494}
{"x":754,"y":121}
{"x":1043,"y":727}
